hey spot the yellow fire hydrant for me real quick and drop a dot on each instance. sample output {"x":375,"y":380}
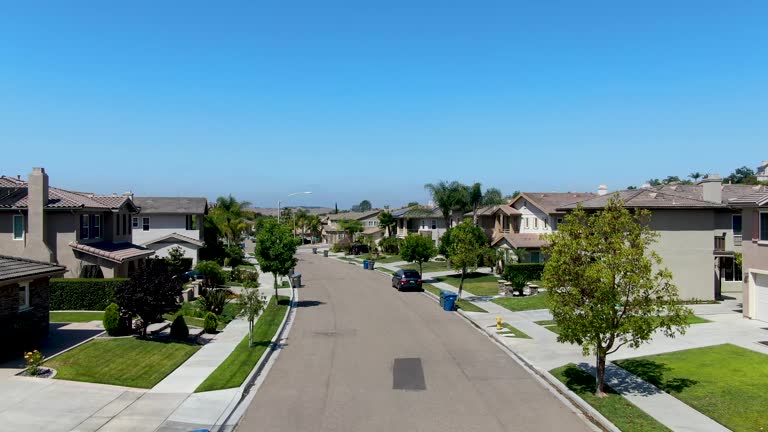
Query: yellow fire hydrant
{"x":498,"y":323}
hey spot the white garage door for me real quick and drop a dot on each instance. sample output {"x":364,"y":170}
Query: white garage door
{"x":761,"y":295}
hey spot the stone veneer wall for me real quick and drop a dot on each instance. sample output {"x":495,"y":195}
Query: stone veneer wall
{"x":23,"y":330}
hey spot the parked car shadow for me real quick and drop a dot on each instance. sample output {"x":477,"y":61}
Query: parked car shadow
{"x":59,"y":339}
{"x":308,"y":303}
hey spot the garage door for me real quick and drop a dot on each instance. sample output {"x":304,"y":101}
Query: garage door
{"x":761,"y":295}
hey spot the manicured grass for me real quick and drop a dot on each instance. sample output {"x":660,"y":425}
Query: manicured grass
{"x":479,"y":284}
{"x":614,"y":407}
{"x":431,"y":288}
{"x":72,"y":317}
{"x":385,"y":270}
{"x":235,"y":369}
{"x":516,"y":304}
{"x":469,"y":307}
{"x":389,"y":259}
{"x":428,"y":267}
{"x":552,"y":326}
{"x":517,"y":333}
{"x":724,"y":382}
{"x":125,"y":361}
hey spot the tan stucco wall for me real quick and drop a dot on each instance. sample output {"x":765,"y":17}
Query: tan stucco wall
{"x":686,"y":244}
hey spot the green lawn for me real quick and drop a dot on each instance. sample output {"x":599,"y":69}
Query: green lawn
{"x":385,"y":270}
{"x":552,"y":326}
{"x":614,"y":407}
{"x":125,"y":362}
{"x":479,"y":284}
{"x":389,"y":259}
{"x":725,"y":382}
{"x":235,"y":369}
{"x":461,"y":304}
{"x":72,"y":317}
{"x":517,"y":333}
{"x":429,"y":267}
{"x":516,"y":304}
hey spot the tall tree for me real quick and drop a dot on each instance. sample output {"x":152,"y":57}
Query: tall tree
{"x":228,"y":216}
{"x":609,"y":289}
{"x":654,"y":182}
{"x":695,"y":176}
{"x":743,"y":175}
{"x":275,"y":249}
{"x":151,"y":292}
{"x":448,"y":197}
{"x":387,"y":221}
{"x":671,"y":179}
{"x":175,"y":261}
{"x":314,"y":226}
{"x":351,"y":227}
{"x":493,"y":196}
{"x":475,"y":198}
{"x":466,"y":249}
{"x":417,"y":248}
{"x":365,"y":206}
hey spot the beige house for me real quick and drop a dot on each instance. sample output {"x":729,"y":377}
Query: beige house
{"x":700,"y":232}
{"x":165,"y":223}
{"x":332,"y":232}
{"x":71,"y":229}
{"x":754,"y":218}
{"x":427,"y":221}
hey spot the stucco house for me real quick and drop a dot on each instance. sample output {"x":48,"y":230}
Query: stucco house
{"x":700,"y":231}
{"x":423,"y":220}
{"x":167,"y":222}
{"x":68,"y":228}
{"x":754,"y":224}
{"x":332,"y":232}
{"x":24,"y":302}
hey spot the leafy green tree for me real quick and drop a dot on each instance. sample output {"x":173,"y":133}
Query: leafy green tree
{"x":276,"y":250}
{"x":253,"y":304}
{"x":412,"y":204}
{"x":671,"y":179}
{"x":365,"y":206}
{"x":351,"y":227}
{"x":608,"y":289}
{"x":654,"y":182}
{"x":212,"y":273}
{"x":313,"y":225}
{"x":512,"y":196}
{"x":493,"y":196}
{"x":176,"y":262}
{"x":151,"y":292}
{"x":743,"y":175}
{"x":228,"y":217}
{"x":387,"y":221}
{"x":417,"y":248}
{"x":466,"y":249}
{"x":475,"y":199}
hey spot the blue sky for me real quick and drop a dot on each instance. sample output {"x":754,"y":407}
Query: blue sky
{"x":371,"y":100}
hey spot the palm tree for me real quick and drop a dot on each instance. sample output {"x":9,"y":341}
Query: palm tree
{"x":351,"y":226}
{"x":314,"y":226}
{"x":448,"y":197}
{"x":228,"y":216}
{"x":696,"y":176}
{"x":387,"y":221}
{"x":475,"y":195}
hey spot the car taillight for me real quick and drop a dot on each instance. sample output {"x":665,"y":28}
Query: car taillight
{"x":403,"y":281}
{"x":418,"y":281}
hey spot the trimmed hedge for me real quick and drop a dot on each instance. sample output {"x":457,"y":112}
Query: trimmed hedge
{"x":528,"y":271}
{"x":83,"y":294}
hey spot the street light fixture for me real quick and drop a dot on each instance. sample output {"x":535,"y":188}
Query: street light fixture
{"x":289,"y":195}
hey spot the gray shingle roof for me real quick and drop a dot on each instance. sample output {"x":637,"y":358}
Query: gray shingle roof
{"x":491,"y":210}
{"x":353,"y":215}
{"x":14,"y":268}
{"x":671,"y":196}
{"x":181,"y":205}
{"x":550,"y":202}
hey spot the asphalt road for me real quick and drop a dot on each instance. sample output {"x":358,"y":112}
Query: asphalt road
{"x":363,"y":357}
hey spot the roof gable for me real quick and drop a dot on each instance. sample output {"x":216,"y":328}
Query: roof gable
{"x":178,"y":205}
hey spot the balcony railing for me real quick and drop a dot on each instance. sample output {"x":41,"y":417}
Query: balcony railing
{"x":720,"y":243}
{"x":737,"y":240}
{"x":505,"y":231}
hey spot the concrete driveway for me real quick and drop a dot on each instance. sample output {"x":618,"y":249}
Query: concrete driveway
{"x":363,"y":357}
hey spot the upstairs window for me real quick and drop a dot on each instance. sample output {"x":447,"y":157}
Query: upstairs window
{"x":535,"y":223}
{"x":135,"y":222}
{"x":736,"y":224}
{"x":145,"y":224}
{"x":18,"y":227}
{"x":84,"y":227}
{"x":764,"y":226}
{"x":23,"y":296}
{"x":96,"y":226}
{"x":434,"y":224}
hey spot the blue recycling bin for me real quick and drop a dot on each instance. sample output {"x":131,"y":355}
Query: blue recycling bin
{"x":365,"y":264}
{"x":449,"y":301}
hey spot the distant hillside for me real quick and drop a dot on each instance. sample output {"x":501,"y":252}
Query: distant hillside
{"x":273,"y":211}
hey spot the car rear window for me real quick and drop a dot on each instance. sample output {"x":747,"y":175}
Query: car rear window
{"x":411,"y":274}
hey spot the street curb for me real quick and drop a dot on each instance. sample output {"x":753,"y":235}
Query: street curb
{"x":560,"y":390}
{"x":224,"y":421}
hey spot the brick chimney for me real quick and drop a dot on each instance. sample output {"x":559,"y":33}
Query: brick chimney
{"x":37,"y":199}
{"x":712,"y":186}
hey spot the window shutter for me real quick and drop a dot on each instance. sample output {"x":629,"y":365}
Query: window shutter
{"x":755,"y":225}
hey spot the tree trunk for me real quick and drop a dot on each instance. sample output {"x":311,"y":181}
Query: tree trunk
{"x":461,"y":282}
{"x":275,"y":275}
{"x":250,"y":334}
{"x":600,"y":374}
{"x":421,"y":272}
{"x":474,"y":215}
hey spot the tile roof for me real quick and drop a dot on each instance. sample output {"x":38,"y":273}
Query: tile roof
{"x":672,"y":196}
{"x":354,"y":215}
{"x":166,"y":205}
{"x":372,"y":230}
{"x":418,"y":211}
{"x":492,"y":210}
{"x":753,"y":199}
{"x":14,"y":268}
{"x":174,"y":236}
{"x":13,"y":194}
{"x":549,"y":202}
{"x":115,"y":252}
{"x":518,"y":240}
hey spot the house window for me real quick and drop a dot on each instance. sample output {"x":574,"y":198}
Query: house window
{"x":763,"y":225}
{"x":18,"y":227}
{"x":191,"y":223}
{"x":125,"y":224}
{"x":135,"y":222}
{"x":535,"y":223}
{"x":145,"y":224}
{"x":96,"y":227}
{"x":434,"y":224}
{"x":736,"y":224}
{"x":535,"y":256}
{"x":526,"y":223}
{"x":23,"y":296}
{"x":84,"y":226}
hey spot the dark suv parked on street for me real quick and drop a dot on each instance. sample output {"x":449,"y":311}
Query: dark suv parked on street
{"x":406,"y":279}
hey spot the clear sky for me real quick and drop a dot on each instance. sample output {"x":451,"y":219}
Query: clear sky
{"x":371,"y":100}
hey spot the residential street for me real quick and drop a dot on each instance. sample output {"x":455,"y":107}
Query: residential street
{"x":363,"y":357}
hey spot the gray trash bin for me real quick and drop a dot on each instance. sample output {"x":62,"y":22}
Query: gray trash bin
{"x":314,"y":251}
{"x":325,"y":253}
{"x":296,"y":280}
{"x":371,"y":264}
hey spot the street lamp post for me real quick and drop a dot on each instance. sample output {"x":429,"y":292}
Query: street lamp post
{"x":278,"y":207}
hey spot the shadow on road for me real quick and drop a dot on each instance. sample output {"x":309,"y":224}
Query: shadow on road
{"x":308,"y":303}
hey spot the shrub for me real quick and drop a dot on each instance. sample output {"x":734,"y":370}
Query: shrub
{"x":34,"y":360}
{"x":527,"y":271}
{"x":179,"y":329}
{"x":214,"y":300}
{"x":212,"y":273}
{"x":390,"y":245}
{"x":235,"y":256}
{"x":343,"y":245}
{"x":83,"y":294}
{"x":250,"y":279}
{"x":209,"y":323}
{"x":112,"y":320}
{"x":236,"y":275}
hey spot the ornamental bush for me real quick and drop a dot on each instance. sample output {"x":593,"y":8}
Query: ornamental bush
{"x":83,"y":294}
{"x":527,"y":271}
{"x":210,"y":322}
{"x":179,"y":329}
{"x":390,"y":245}
{"x":112,"y":320}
